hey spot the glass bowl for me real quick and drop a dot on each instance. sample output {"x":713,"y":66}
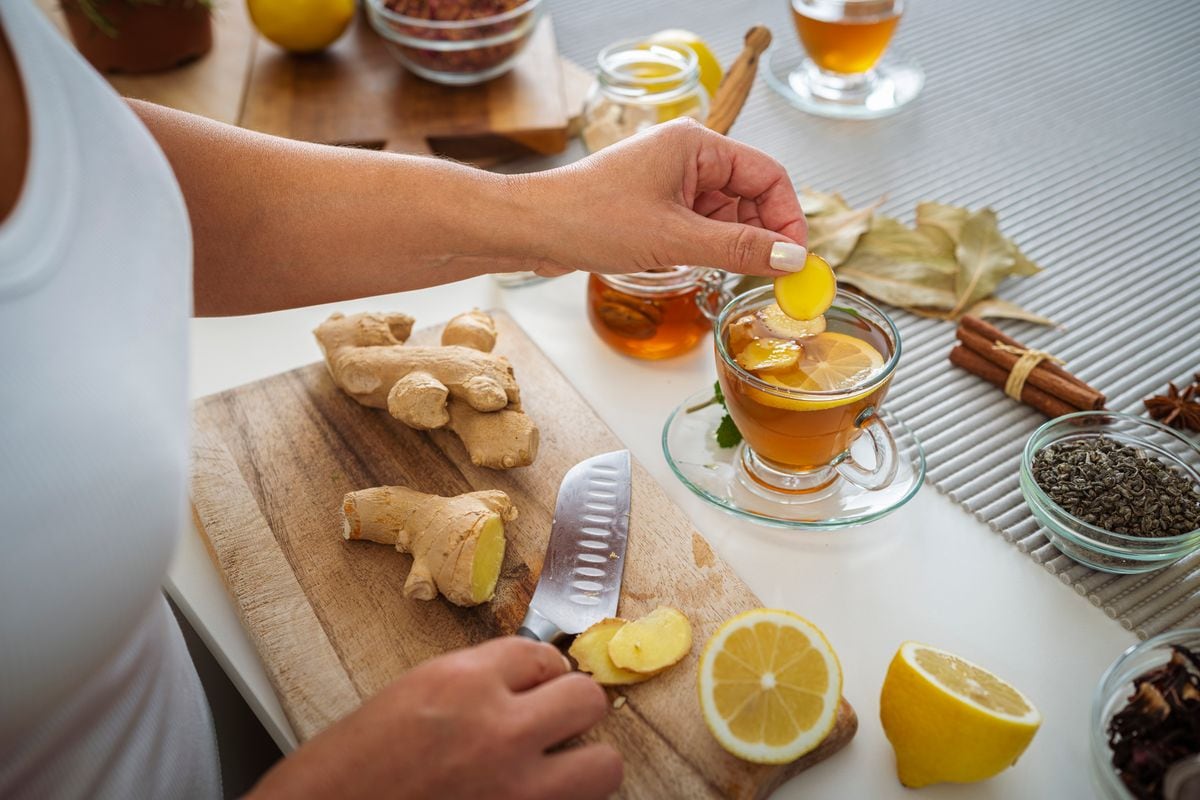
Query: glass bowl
{"x":456,"y":52}
{"x":1116,"y":686}
{"x":1101,"y":549}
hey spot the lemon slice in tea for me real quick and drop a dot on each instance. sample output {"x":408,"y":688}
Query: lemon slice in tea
{"x":809,"y":293}
{"x":770,"y":685}
{"x":831,"y":362}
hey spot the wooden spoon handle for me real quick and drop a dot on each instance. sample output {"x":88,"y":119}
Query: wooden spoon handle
{"x":734,"y":90}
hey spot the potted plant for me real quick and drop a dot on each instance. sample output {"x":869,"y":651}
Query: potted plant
{"x":140,"y":35}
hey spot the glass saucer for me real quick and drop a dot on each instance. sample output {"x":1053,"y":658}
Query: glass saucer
{"x":716,"y":474}
{"x":895,"y":83}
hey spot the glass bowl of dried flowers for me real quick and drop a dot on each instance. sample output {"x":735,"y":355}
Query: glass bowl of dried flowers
{"x":455,"y":42}
{"x":1145,"y":723}
{"x":1116,"y":492}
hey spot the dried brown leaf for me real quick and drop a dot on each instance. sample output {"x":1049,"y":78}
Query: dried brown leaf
{"x":901,"y":266}
{"x":834,"y":236}
{"x":985,"y":258}
{"x":996,"y":308}
{"x":941,"y":222}
{"x":1024,"y":267}
{"x":816,"y":204}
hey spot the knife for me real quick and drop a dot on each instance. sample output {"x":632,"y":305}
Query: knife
{"x":580,"y":582}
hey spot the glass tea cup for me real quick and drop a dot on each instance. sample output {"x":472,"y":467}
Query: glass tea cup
{"x":799,"y":441}
{"x":845,"y":41}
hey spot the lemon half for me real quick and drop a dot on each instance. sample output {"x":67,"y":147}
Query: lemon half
{"x":950,"y":720}
{"x":770,"y":685}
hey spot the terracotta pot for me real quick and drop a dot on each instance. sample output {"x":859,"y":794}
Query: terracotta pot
{"x":148,"y":37}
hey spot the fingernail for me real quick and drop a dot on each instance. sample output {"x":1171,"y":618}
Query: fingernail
{"x":567,"y":662}
{"x":788,"y":257}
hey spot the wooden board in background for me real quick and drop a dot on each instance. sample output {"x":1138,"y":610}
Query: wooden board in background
{"x":357,"y":93}
{"x":212,"y":85}
{"x":272,"y":461}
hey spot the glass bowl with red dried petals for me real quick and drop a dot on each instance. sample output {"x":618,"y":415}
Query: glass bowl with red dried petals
{"x":1115,"y":492}
{"x":1146,"y":720}
{"x":455,"y":42}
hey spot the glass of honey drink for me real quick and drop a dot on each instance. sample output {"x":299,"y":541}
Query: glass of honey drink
{"x":843,"y":72}
{"x":802,"y":393}
{"x":650,"y":315}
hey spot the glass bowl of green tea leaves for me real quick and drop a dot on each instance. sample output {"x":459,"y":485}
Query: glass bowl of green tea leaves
{"x":1145,"y":735}
{"x":1116,"y":492}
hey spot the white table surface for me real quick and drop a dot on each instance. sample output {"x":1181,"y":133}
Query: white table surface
{"x":928,"y":572}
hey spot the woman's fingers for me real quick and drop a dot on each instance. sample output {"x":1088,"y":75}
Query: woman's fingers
{"x":733,"y":246}
{"x":522,"y":663}
{"x":563,"y":708}
{"x":740,"y":170}
{"x":590,"y":772}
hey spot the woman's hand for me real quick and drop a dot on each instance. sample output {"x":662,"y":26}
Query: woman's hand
{"x":677,"y":193}
{"x":473,"y":723}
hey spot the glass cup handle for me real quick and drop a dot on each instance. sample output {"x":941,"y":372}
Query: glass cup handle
{"x":713,"y":294}
{"x":887,"y":456}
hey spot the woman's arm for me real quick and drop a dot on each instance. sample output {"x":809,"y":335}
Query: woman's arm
{"x":278,"y":223}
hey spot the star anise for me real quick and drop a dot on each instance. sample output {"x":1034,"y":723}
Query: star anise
{"x":1177,"y":409}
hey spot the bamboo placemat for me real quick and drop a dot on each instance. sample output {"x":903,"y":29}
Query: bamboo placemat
{"x":1077,"y":124}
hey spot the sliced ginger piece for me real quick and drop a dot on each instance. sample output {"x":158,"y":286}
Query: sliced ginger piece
{"x":767,"y":355}
{"x":741,"y":333}
{"x":651,"y":644}
{"x":809,"y":293}
{"x":590,"y":651}
{"x":771,"y":322}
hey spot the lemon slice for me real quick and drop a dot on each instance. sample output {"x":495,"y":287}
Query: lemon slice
{"x":809,"y":293}
{"x":831,"y":362}
{"x":770,"y":685}
{"x":951,"y":720}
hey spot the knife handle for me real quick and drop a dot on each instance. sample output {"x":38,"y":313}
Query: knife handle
{"x":540,"y":629}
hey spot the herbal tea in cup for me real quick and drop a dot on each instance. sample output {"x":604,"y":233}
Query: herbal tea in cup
{"x":801,"y":398}
{"x":842,"y":72}
{"x":846,"y":36}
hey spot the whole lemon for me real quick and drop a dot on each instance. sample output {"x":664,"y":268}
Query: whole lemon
{"x":301,"y":26}
{"x":710,"y":68}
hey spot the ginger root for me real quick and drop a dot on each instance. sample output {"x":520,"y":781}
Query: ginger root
{"x":457,"y":543}
{"x":617,"y":652}
{"x":460,"y":385}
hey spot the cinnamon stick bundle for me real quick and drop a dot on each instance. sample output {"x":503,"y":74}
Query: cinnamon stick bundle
{"x":1049,"y":388}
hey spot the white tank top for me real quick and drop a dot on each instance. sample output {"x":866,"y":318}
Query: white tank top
{"x":97,"y":695}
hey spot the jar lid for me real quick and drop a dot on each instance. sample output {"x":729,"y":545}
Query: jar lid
{"x":664,"y":280}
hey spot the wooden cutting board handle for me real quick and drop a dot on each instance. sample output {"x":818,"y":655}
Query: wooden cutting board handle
{"x":734,"y":90}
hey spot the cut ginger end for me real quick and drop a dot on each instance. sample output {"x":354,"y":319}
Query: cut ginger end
{"x":488,"y":558}
{"x":651,"y":644}
{"x":590,"y":651}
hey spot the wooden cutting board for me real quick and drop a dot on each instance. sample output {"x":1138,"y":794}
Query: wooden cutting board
{"x":271,"y":463}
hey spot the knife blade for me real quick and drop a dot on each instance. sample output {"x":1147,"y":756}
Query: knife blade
{"x":580,"y":582}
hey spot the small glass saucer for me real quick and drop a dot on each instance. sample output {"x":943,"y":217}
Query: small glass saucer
{"x":716,"y":474}
{"x":893,"y":83}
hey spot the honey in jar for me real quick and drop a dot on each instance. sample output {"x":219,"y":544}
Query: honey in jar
{"x":648,"y":315}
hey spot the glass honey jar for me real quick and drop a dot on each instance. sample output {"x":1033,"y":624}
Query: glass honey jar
{"x":651,"y":315}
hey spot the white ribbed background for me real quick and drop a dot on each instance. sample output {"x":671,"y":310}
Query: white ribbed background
{"x":1079,"y":123}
